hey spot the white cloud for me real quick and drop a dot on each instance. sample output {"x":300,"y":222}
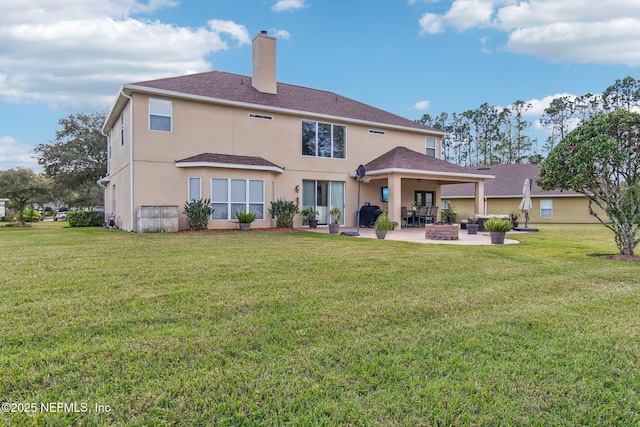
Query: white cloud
{"x":79,"y":53}
{"x":539,"y":105}
{"x":421,"y":105}
{"x":14,"y":154}
{"x":284,"y":5}
{"x":588,"y":31}
{"x":281,"y":34}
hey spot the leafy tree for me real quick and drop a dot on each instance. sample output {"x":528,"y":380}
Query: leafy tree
{"x":557,"y":117}
{"x":601,"y":159}
{"x":77,"y":158}
{"x":22,"y":186}
{"x":623,"y":93}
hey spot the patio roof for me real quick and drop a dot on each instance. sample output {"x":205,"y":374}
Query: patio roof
{"x":414,"y":164}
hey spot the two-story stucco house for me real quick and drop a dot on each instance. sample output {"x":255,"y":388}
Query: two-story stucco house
{"x":244,"y":142}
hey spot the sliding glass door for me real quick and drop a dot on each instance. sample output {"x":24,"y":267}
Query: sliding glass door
{"x":322,"y":196}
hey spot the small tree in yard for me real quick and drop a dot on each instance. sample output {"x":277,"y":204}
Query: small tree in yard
{"x":601,"y":159}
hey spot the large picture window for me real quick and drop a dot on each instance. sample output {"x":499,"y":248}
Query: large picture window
{"x":159,"y":115}
{"x":324,"y":140}
{"x":230,"y":196}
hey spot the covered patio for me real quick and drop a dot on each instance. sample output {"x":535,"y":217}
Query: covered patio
{"x":416,"y":235}
{"x":409,"y":176}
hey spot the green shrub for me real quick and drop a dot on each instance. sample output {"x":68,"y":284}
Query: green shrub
{"x":284,"y":211}
{"x":30,"y":215}
{"x":198,"y":213}
{"x":497,"y":224}
{"x":85,"y":219}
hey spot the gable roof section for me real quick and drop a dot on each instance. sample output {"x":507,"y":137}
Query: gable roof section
{"x":401,"y":159}
{"x":508,"y":183}
{"x":221,"y":87}
{"x":228,"y":161}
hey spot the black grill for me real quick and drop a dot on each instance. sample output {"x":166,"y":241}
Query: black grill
{"x":369,"y":214}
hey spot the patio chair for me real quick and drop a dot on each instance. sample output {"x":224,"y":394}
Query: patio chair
{"x":432,"y":215}
{"x":422,"y":216}
{"x":404,"y":216}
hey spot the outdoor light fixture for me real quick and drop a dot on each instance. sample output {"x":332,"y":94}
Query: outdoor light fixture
{"x":297,"y":188}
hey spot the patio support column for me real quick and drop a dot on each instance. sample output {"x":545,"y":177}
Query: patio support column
{"x":395,"y":197}
{"x":480,"y":197}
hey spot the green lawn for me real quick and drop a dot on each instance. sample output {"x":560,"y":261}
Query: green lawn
{"x":267,"y":328}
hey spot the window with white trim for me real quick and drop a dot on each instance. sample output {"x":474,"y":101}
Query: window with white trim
{"x":195,"y":192}
{"x":430,"y":144}
{"x":324,"y":140}
{"x":546,"y":208}
{"x":230,"y":196}
{"x":160,"y":115}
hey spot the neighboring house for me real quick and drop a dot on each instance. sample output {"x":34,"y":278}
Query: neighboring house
{"x":3,"y":211}
{"x":244,"y":142}
{"x":504,"y":193}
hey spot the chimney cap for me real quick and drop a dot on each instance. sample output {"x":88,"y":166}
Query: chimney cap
{"x":263,"y":31}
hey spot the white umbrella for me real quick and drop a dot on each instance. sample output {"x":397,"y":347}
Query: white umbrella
{"x":525,"y":204}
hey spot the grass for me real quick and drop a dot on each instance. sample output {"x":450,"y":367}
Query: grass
{"x":298,"y":328}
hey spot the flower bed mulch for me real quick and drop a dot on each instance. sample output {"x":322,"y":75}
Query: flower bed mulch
{"x":237,"y":230}
{"x":618,"y":257}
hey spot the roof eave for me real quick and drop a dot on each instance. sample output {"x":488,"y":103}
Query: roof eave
{"x":130,"y":88}
{"x":428,"y":172}
{"x":228,"y":166}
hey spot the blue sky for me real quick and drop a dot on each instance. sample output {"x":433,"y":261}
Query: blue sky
{"x":409,"y":57}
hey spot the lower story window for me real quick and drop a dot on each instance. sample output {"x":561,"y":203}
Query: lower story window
{"x":546,"y":208}
{"x":230,"y":196}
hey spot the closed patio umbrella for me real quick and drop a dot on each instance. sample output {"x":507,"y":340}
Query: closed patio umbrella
{"x":525,"y":204}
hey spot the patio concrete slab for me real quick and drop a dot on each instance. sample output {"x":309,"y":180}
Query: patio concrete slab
{"x":416,"y":235}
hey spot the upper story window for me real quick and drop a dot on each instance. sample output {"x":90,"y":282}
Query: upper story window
{"x":159,"y":115}
{"x":260,"y":116}
{"x":324,"y":140}
{"x":430,"y":146}
{"x":122,"y":129}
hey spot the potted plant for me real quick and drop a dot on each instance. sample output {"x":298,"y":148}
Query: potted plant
{"x":383,"y":225}
{"x":336,"y":215}
{"x":472,"y":225}
{"x":311,"y":216}
{"x":449,"y":215}
{"x":514,"y":216}
{"x":497,"y":229}
{"x":245,"y":219}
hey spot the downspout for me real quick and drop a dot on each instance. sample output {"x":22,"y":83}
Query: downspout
{"x":130,"y":157}
{"x":104,"y":192}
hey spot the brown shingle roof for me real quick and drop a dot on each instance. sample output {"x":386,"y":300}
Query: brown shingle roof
{"x":508,"y":182}
{"x":228,"y":159}
{"x":403,"y":158}
{"x":237,"y":88}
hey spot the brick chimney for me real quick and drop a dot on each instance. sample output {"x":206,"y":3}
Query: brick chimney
{"x":264,"y":63}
